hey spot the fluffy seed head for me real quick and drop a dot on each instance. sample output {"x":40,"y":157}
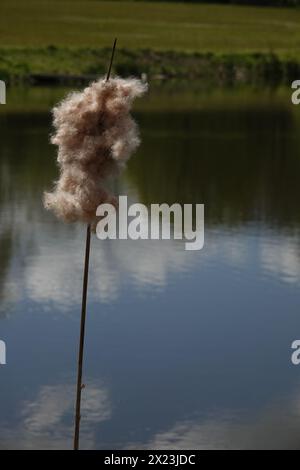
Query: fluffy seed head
{"x":95,"y":135}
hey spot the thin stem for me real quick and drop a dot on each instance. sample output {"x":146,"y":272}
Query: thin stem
{"x":80,"y":386}
{"x":111,"y":59}
{"x":82,"y":336}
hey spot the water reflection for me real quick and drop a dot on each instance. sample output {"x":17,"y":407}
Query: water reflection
{"x":44,"y":276}
{"x":44,"y":423}
{"x":242,"y":163}
{"x":227,"y":431}
{"x":158,"y":315}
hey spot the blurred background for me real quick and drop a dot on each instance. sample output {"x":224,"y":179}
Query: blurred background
{"x":185,"y":350}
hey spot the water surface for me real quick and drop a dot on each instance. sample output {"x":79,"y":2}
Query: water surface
{"x":183,"y":349}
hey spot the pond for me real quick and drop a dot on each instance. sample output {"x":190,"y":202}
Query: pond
{"x":184,"y":349}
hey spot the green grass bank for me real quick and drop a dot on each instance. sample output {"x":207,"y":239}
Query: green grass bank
{"x":69,"y":40}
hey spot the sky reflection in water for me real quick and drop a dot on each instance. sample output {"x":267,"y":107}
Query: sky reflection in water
{"x":184,"y":349}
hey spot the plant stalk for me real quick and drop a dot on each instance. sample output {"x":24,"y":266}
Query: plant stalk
{"x":80,"y":385}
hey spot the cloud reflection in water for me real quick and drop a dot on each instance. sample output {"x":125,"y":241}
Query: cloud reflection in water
{"x":47,"y":421}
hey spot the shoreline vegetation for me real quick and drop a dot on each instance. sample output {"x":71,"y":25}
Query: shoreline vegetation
{"x":54,"y":65}
{"x":64,"y":42}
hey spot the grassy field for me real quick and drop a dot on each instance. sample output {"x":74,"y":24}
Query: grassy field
{"x":159,"y":26}
{"x":70,"y":37}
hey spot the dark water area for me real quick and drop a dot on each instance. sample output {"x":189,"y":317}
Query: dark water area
{"x":184,"y":349}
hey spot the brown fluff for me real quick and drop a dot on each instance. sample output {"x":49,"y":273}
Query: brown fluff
{"x":95,"y":135}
